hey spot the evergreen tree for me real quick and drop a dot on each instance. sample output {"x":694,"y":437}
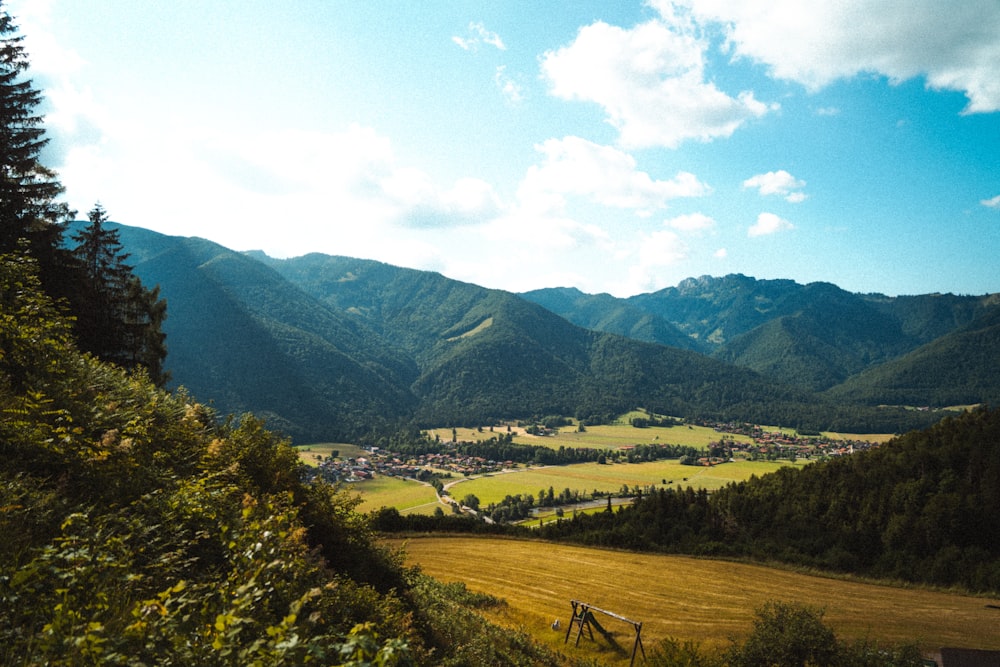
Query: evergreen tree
{"x":118,"y":319}
{"x":28,"y":189}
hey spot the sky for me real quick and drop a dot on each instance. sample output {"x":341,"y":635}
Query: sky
{"x":615,"y":147}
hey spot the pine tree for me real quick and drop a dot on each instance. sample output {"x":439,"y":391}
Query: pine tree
{"x":118,"y":319}
{"x":28,"y":190}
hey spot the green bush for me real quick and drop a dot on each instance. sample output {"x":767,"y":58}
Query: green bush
{"x":786,"y":635}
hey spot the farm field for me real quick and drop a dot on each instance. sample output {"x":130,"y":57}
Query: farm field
{"x":700,"y":600}
{"x":405,"y":495}
{"x":586,"y":477}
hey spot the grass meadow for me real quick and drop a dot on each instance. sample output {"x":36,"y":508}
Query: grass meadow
{"x":406,"y":496}
{"x":700,"y":600}
{"x":587,"y":477}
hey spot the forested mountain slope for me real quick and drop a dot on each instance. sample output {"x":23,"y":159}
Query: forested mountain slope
{"x":959,"y":368}
{"x":815,"y":336}
{"x":241,"y":336}
{"x":488,"y":353}
{"x":330,"y":347}
{"x":603,"y":312}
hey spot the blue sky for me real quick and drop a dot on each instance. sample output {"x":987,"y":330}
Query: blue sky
{"x":610,"y":146}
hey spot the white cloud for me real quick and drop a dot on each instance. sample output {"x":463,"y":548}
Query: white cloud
{"x":779,"y":183}
{"x":955,"y":45}
{"x":547,"y":232}
{"x":656,"y":251}
{"x":650,"y":81}
{"x":768,"y":223}
{"x":691,"y":222}
{"x":662,"y":248}
{"x":479,"y":35}
{"x":468,"y":201}
{"x":991,"y":203}
{"x":510,"y":89}
{"x":288,"y":192}
{"x":603,"y":174}
{"x":721,"y":253}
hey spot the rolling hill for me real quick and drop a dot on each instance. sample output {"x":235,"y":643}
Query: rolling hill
{"x":329,"y":347}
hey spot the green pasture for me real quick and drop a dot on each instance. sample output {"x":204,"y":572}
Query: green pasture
{"x":699,"y":600}
{"x":586,"y":477}
{"x":407,"y":496}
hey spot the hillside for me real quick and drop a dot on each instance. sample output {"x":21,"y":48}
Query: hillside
{"x":139,"y":531}
{"x":959,"y":368}
{"x":603,"y":312}
{"x":485,"y":353}
{"x":328,"y":348}
{"x":815,"y":336}
{"x":244,"y":338}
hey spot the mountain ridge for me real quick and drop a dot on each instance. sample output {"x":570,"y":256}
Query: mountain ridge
{"x":327,"y":347}
{"x":814,"y":335}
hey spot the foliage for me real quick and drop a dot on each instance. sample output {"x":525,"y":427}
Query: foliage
{"x":28,"y":190}
{"x":138,"y":530}
{"x":786,"y":635}
{"x":477,"y":642}
{"x":118,"y":319}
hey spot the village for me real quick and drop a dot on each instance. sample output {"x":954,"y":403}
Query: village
{"x":773,"y":445}
{"x":423,"y":467}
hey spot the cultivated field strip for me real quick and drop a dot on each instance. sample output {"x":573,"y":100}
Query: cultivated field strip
{"x":692,"y":599}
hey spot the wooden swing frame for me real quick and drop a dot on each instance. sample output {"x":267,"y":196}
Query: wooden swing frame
{"x":583,"y":617}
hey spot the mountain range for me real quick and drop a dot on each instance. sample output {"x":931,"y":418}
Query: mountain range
{"x":326,"y":347}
